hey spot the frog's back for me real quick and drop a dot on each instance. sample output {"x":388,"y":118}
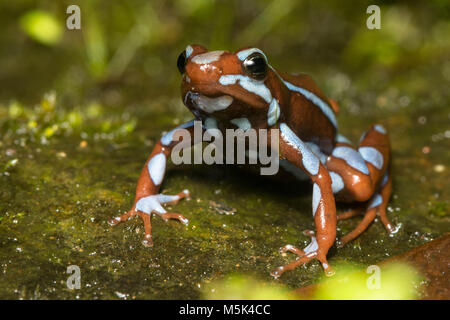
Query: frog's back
{"x":310,"y":115}
{"x":302,"y":80}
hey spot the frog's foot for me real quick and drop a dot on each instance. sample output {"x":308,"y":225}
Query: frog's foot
{"x":312,"y":251}
{"x":145,"y":206}
{"x":376,"y":206}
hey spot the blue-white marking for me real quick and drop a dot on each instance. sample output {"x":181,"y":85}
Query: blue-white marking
{"x":341,"y":139}
{"x":167,"y":138}
{"x":326,"y":109}
{"x":163,"y":198}
{"x":242,"y":55}
{"x":352,"y":157}
{"x":242,"y":123}
{"x":156,"y":168}
{"x":274,"y":112}
{"x":385,"y":179}
{"x":189,"y":50}
{"x":376,"y":201}
{"x":207,"y":57}
{"x":153,"y":203}
{"x":210,"y":123}
{"x":317,"y":195}
{"x":251,"y":85}
{"x":150,"y":204}
{"x":380,"y":128}
{"x":312,"y":246}
{"x":316,"y":150}
{"x":337,"y":184}
{"x":309,"y":159}
{"x":372,"y":156}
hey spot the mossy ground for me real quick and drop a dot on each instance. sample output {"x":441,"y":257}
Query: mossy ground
{"x":57,"y":197}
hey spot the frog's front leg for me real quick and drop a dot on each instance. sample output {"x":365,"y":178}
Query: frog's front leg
{"x":148,"y":201}
{"x":323,"y":204}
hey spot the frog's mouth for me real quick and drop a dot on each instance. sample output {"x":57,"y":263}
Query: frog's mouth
{"x":207,"y":104}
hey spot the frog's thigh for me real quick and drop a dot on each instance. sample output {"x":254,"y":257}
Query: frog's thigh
{"x":356,"y":173}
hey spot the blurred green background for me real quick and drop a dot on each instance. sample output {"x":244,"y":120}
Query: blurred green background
{"x":130,"y":47}
{"x":81,"y":109}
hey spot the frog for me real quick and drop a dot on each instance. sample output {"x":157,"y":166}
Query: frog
{"x":241,"y":90}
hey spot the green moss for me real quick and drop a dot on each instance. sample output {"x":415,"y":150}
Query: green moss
{"x":439,"y":209}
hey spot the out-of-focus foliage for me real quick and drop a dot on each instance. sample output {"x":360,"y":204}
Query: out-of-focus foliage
{"x":134,"y":44}
{"x":243,"y":287}
{"x":395,"y":282}
{"x":401,"y":36}
{"x":42,"y":26}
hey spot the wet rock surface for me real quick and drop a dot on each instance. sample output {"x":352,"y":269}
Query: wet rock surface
{"x":432,"y":261}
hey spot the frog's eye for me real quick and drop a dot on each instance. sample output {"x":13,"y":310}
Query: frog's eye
{"x":181,"y":62}
{"x":255,"y":65}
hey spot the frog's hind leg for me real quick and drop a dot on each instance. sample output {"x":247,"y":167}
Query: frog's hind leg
{"x":351,"y":213}
{"x":376,"y":206}
{"x":360,"y":176}
{"x":386,"y":186}
{"x":369,"y":216}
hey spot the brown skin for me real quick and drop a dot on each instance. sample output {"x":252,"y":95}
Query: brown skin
{"x":306,"y":120}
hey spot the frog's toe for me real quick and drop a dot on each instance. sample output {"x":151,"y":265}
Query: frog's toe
{"x":329,"y":271}
{"x":276,"y":273}
{"x":168,"y":199}
{"x":147,"y":242}
{"x":309,"y":233}
{"x":116,"y":220}
{"x":311,"y":251}
{"x":291,"y":248}
{"x":173,"y":215}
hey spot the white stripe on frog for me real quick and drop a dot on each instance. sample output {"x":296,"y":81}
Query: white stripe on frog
{"x":157,"y":167}
{"x":249,"y":84}
{"x":242,"y":123}
{"x":207,"y":57}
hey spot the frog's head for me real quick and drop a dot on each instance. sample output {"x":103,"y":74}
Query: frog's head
{"x":227,"y":84}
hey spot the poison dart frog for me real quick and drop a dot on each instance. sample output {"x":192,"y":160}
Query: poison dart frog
{"x":242,"y":90}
